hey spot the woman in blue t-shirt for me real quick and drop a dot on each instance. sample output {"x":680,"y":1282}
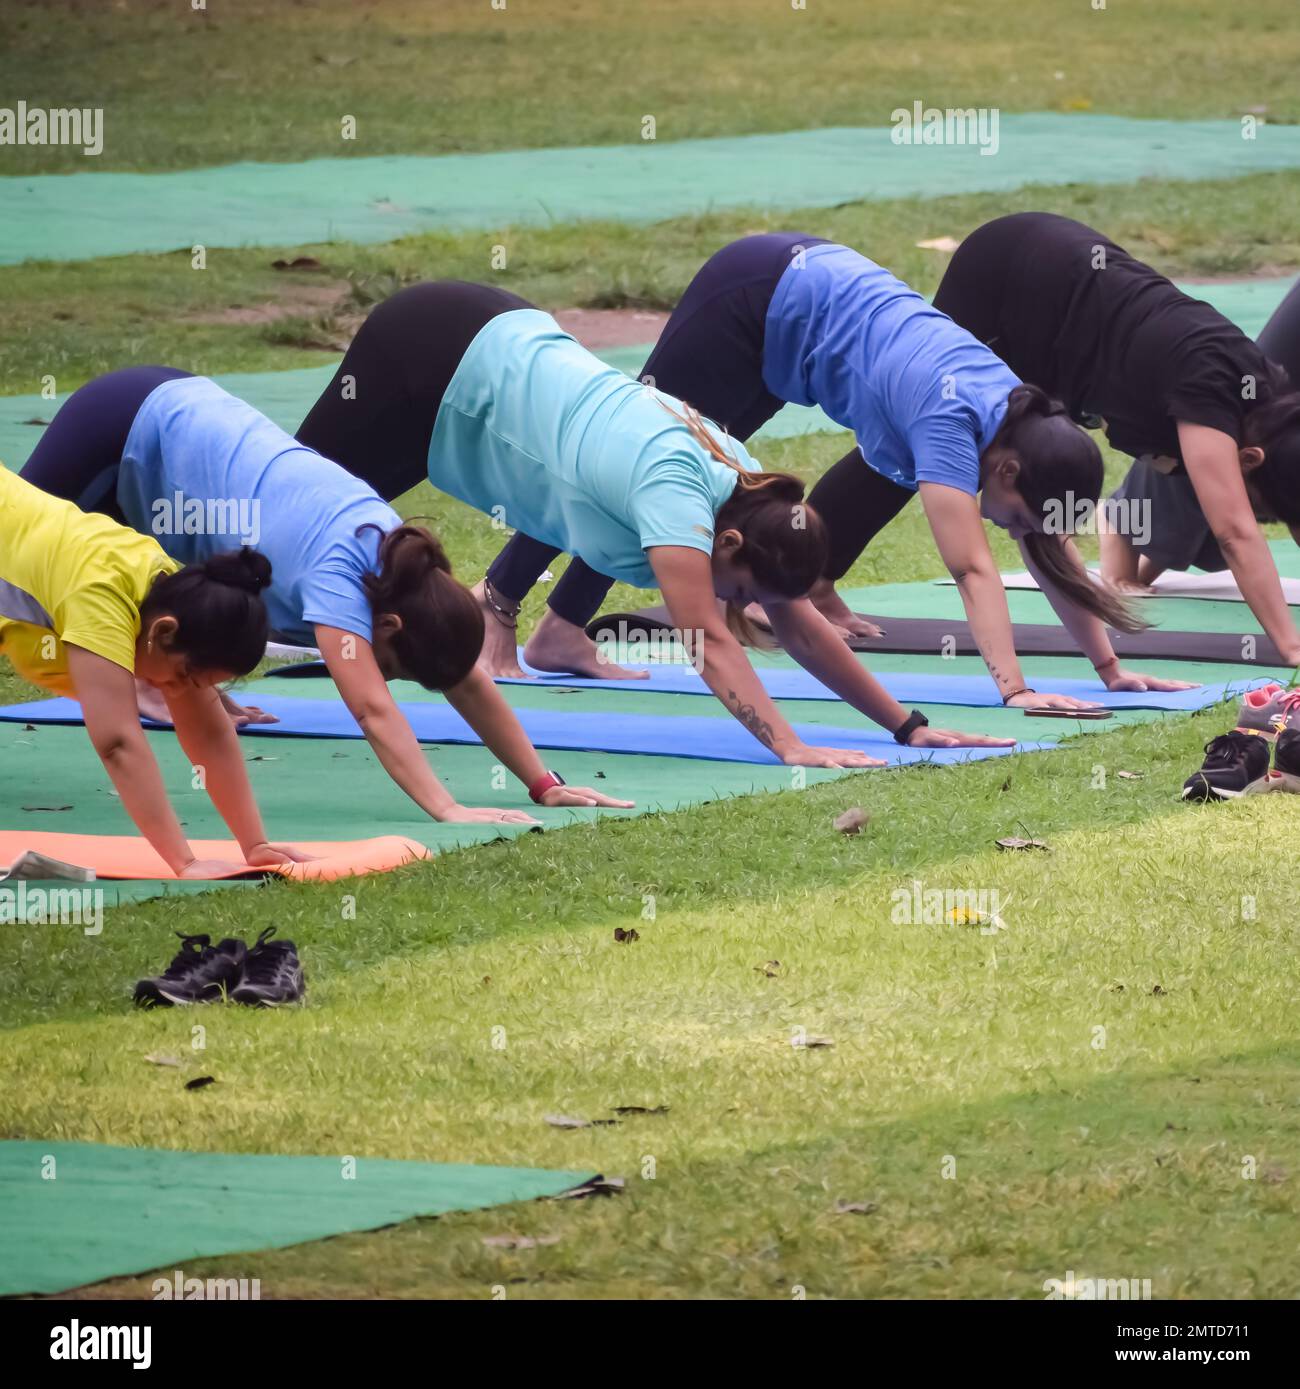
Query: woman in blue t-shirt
{"x":176,"y":457}
{"x":779,"y":318}
{"x":491,"y":401}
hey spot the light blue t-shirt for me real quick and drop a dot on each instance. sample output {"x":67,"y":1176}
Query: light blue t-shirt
{"x":203,"y":472}
{"x":922,"y":396}
{"x":538,"y":433}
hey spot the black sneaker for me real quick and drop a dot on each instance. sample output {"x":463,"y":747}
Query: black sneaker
{"x":272,"y":973}
{"x":200,"y":973}
{"x":1236,"y":764}
{"x":1286,"y":761}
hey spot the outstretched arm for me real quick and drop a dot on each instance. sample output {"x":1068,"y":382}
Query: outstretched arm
{"x":814,"y":643}
{"x":958,"y":528}
{"x":686,"y":580}
{"x":106,"y":693}
{"x":1091,"y":634}
{"x":478,"y":701}
{"x":1211,"y":459}
{"x":351,"y":661}
{"x":209,"y":740}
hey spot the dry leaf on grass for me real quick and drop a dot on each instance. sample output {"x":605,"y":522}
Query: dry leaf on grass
{"x":1013,"y":843}
{"x":811,"y":1043}
{"x":568,"y":1121}
{"x":854,"y":1207}
{"x":1130,"y":776}
{"x":853,"y":821}
{"x":159,"y":1058}
{"x":770,"y":968}
{"x":640,"y":1109}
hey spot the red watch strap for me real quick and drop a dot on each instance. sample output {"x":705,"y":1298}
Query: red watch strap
{"x":543,"y":784}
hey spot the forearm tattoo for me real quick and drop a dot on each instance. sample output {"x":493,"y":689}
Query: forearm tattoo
{"x":748,"y":715}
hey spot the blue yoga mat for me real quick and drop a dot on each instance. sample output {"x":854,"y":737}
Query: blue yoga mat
{"x":968,"y":691}
{"x":710,"y":739}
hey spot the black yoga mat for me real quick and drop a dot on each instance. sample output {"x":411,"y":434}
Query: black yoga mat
{"x":926,"y":635}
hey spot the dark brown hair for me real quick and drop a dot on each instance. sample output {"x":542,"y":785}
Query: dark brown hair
{"x":784,"y":543}
{"x":442,"y":624}
{"x":1058,"y":459}
{"x":1274,"y":426}
{"x":221,"y":621}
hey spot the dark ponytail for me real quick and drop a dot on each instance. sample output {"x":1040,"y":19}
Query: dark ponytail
{"x":442,"y":624}
{"x":1274,"y":426}
{"x":1059,"y":462}
{"x":785,"y":546}
{"x":220,"y":616}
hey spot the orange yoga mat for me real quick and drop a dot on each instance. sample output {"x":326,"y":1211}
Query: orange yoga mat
{"x":127,"y":856}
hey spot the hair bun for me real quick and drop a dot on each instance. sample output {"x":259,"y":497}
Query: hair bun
{"x":245,"y":569}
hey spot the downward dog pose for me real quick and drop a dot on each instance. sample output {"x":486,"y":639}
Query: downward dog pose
{"x":87,"y":606}
{"x":176,"y":456}
{"x":1213,"y":424}
{"x":489,"y":399}
{"x":782,"y":317}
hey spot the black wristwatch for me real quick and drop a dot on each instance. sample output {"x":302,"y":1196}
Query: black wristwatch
{"x":916,"y":719}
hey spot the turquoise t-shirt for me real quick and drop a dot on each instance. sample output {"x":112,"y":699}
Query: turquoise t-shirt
{"x":202,"y":471}
{"x":548,"y":440}
{"x":923,"y":397}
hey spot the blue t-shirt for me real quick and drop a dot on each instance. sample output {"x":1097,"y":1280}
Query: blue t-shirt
{"x":547,"y":439}
{"x":922,"y":396}
{"x":203,"y":472}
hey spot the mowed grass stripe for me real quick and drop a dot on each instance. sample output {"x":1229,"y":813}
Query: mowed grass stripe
{"x":948,"y":1043}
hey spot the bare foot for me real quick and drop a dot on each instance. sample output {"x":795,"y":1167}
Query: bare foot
{"x":500,"y":654}
{"x":838,"y":613}
{"x":559,"y":646}
{"x":152,"y":704}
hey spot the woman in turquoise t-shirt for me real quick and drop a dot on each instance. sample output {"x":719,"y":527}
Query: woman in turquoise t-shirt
{"x":490,"y":400}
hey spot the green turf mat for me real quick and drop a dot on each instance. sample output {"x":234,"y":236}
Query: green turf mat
{"x":38,"y":901}
{"x":85,"y":216}
{"x":77,"y":1213}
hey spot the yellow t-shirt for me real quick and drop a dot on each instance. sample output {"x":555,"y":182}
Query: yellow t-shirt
{"x":68,"y":576}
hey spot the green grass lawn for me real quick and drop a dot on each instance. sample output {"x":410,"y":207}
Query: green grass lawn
{"x":1100,"y":1072}
{"x":269,"y":80}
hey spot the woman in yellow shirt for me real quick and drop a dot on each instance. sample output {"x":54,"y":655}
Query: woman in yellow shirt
{"x":87,"y":606}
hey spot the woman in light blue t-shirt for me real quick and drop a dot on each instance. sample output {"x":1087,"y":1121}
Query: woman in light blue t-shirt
{"x":494,"y":403}
{"x":176,"y":457}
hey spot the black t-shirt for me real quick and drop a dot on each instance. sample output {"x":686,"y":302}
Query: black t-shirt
{"x":1070,"y":311}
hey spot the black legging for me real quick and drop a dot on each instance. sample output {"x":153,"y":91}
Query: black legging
{"x":80,"y":453}
{"x":376,"y":416}
{"x":1280,"y":340}
{"x":710,"y":355}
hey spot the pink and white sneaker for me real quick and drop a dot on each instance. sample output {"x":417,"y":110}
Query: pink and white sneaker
{"x":1269,"y":710}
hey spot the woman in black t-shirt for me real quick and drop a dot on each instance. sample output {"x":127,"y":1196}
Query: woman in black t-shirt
{"x":1213,"y":423}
